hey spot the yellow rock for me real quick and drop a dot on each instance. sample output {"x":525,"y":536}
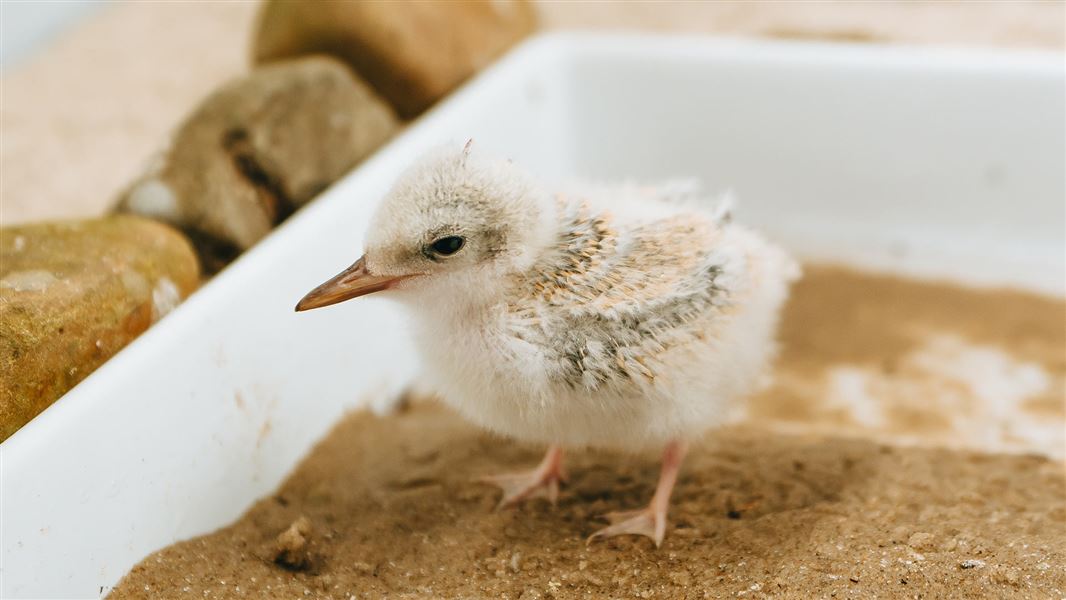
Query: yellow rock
{"x":72,"y":294}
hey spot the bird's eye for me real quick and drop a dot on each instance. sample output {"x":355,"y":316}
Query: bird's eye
{"x":446,"y":246}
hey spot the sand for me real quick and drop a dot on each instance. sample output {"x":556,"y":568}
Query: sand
{"x":909,"y":362}
{"x":796,"y":501}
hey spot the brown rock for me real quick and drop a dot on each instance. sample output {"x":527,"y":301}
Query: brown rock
{"x":292,"y":545}
{"x":257,"y":149}
{"x":73,"y":294}
{"x":413,"y":53}
{"x":921,"y":541}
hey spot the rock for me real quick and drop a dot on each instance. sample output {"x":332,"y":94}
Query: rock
{"x":256,"y":150}
{"x":413,"y":53}
{"x":921,"y":541}
{"x":72,"y":295}
{"x":292,"y":545}
{"x":680,"y":578}
{"x":1004,"y":575}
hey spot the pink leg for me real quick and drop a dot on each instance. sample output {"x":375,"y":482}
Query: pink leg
{"x":651,"y":520}
{"x":544,"y":480}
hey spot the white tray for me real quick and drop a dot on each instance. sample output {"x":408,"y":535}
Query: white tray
{"x":931,"y":162}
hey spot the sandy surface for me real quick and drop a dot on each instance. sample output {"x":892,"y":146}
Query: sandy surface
{"x":82,"y":118}
{"x":907,"y":362}
{"x":386,"y":506}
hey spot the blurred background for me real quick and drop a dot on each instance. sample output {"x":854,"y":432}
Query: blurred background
{"x":93,"y":87}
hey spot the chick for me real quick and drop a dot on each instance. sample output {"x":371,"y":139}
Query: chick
{"x":614,"y":317}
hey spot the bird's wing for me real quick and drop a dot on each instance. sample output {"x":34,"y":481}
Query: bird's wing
{"x":636,"y":269}
{"x":619,"y":294}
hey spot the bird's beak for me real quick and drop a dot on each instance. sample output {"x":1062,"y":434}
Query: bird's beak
{"x":350,"y":283}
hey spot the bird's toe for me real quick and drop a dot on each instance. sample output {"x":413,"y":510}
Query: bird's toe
{"x":522,"y":486}
{"x":541,"y":481}
{"x":646,"y":522}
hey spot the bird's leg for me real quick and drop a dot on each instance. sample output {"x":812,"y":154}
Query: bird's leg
{"x":651,"y":520}
{"x":544,"y":480}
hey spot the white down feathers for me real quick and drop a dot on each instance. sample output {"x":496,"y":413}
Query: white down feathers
{"x":608,"y":316}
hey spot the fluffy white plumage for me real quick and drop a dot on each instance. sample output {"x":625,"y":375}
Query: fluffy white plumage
{"x":610,"y":316}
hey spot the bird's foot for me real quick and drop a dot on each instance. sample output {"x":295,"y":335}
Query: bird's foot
{"x":649,"y":521}
{"x":540,"y":482}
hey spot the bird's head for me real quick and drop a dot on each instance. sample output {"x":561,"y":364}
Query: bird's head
{"x":455,"y":223}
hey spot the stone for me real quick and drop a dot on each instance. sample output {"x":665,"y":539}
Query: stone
{"x":72,"y":294}
{"x":291,"y":545}
{"x":413,"y":53}
{"x":256,"y":150}
{"x":921,"y":541}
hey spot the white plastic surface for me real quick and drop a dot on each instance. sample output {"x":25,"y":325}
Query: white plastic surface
{"x":931,"y":162}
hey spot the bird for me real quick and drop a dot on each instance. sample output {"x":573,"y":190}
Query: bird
{"x":620,"y":316}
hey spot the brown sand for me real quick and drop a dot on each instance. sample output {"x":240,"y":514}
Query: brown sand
{"x":394,"y":512}
{"x":944,"y":365}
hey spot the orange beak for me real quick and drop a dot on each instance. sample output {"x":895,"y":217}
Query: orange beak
{"x":350,"y":283}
